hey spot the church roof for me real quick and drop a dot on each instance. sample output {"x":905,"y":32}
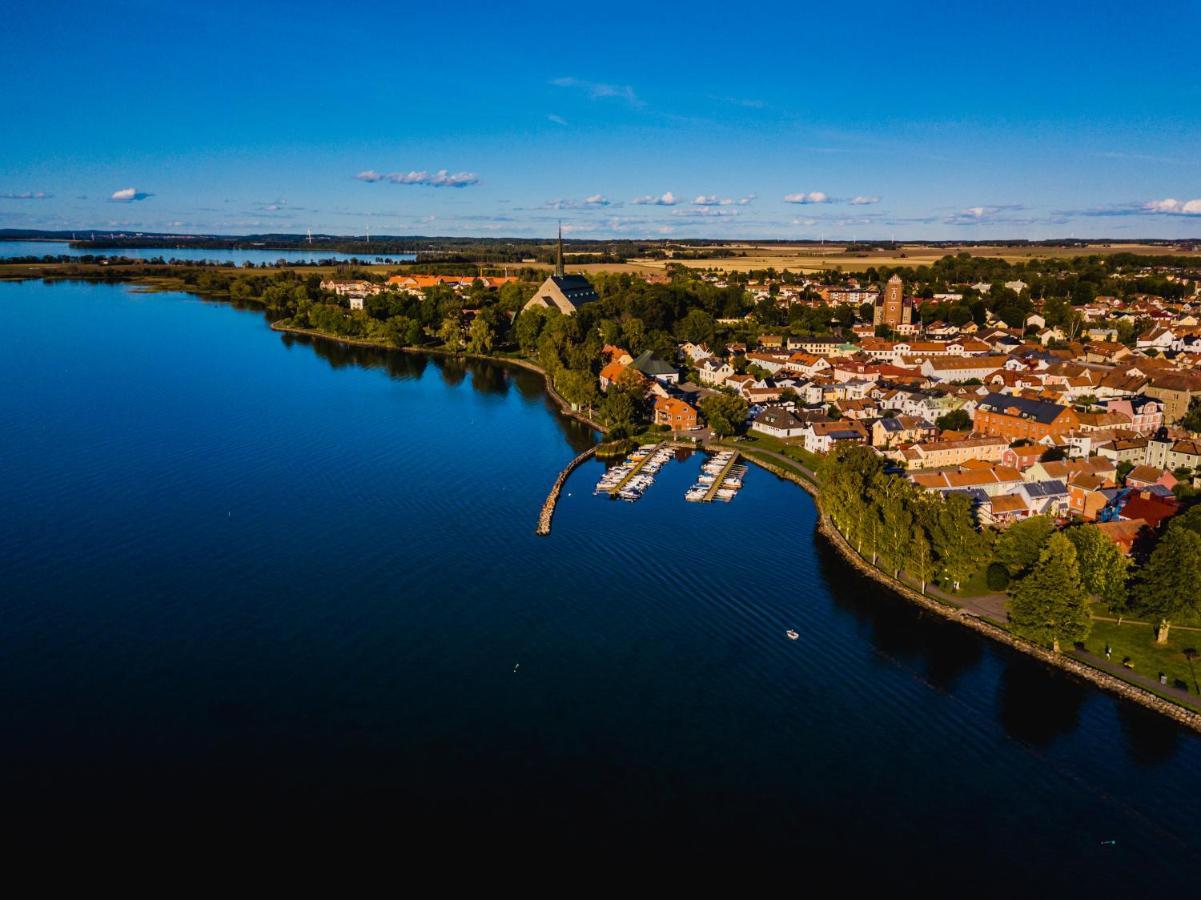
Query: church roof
{"x":575,"y":288}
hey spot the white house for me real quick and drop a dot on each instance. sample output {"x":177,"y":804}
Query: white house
{"x":714,"y":371}
{"x":779,"y":422}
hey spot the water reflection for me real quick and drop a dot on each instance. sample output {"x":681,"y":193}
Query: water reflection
{"x":898,"y":628}
{"x":1038,"y":704}
{"x":1151,"y":739}
{"x":396,"y":363}
{"x":452,"y":369}
{"x":488,"y":378}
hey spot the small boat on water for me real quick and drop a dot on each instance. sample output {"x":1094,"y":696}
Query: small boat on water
{"x":792,"y":635}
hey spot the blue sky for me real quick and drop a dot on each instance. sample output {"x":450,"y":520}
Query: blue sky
{"x":913,"y":120}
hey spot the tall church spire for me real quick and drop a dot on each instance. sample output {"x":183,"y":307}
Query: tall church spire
{"x":559,"y":258}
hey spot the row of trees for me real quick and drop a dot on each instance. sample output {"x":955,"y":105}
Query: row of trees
{"x":931,"y":537}
{"x":1053,"y":575}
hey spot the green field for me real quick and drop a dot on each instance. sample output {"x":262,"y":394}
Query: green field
{"x":1136,"y":641}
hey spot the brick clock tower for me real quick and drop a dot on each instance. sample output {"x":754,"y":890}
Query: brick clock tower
{"x":892,"y":307}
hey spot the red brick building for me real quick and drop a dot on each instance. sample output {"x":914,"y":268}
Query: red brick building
{"x":1018,"y":417}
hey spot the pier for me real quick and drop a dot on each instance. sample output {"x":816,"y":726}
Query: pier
{"x":720,"y":478}
{"x":548,"y":505}
{"x":637,"y":467}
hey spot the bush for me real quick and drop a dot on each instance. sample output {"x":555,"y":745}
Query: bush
{"x":997,"y":576}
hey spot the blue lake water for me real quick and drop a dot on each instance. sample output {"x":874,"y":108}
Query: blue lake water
{"x":20,"y":249}
{"x":284,"y":586}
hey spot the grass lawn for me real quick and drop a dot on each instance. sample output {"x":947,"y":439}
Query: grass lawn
{"x":771,"y":460}
{"x":779,"y":445}
{"x":1138,"y":643}
{"x":975,"y":586}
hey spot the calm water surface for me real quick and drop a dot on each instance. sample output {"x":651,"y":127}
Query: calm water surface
{"x":279,"y":586}
{"x":9,"y":249}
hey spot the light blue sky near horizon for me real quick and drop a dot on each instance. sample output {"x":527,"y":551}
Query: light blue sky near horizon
{"x":941,"y":120}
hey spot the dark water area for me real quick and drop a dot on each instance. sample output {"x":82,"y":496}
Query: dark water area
{"x":273,"y":586}
{"x":22,"y":249}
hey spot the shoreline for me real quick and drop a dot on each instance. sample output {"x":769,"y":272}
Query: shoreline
{"x":1106,"y":682}
{"x":564,"y":407}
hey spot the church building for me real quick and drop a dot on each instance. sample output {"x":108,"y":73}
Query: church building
{"x":892,"y":307}
{"x":566,"y":293}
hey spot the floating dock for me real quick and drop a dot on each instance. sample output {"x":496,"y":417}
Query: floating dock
{"x":630,"y":479}
{"x":721,"y":478}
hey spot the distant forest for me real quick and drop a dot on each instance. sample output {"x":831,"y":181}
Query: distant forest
{"x":486,"y":250}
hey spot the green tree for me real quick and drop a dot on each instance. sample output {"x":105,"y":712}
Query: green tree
{"x":725,"y":413}
{"x":620,"y":408}
{"x":921,"y":558}
{"x":1020,"y":545}
{"x":1192,"y":418}
{"x":480,"y":336}
{"x":451,"y":333}
{"x":528,"y":328}
{"x":955,"y":420}
{"x":1050,"y":604}
{"x":897,"y":530}
{"x":1103,"y":568}
{"x":401,"y":331}
{"x":959,"y":548}
{"x":578,"y":387}
{"x":1170,"y":582}
{"x":697,"y":326}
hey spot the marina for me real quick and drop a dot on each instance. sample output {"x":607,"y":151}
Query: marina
{"x":631,"y":479}
{"x":720,"y":479}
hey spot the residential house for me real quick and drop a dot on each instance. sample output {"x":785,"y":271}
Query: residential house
{"x":1168,"y":454}
{"x":1146,"y":476}
{"x":992,"y":480}
{"x":1019,"y":417}
{"x":821,"y":436}
{"x":938,"y":454}
{"x":652,"y":367}
{"x":714,"y":371}
{"x":779,"y":422}
{"x":675,"y":413}
{"x":1022,"y":457}
{"x":890,"y":432}
{"x":1174,"y":390}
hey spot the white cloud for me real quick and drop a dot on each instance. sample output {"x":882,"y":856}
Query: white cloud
{"x":715,"y":200}
{"x":1174,"y":207}
{"x":558,"y":120}
{"x":441,"y":178}
{"x":697,"y":211}
{"x":999,"y":214}
{"x":863,"y":201}
{"x":128,"y":195}
{"x":27,"y":195}
{"x":811,"y":197}
{"x":598,"y":90}
{"x":593,"y":201}
{"x":668,"y":199}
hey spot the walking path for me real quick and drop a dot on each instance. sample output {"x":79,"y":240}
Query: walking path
{"x":1144,"y":681}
